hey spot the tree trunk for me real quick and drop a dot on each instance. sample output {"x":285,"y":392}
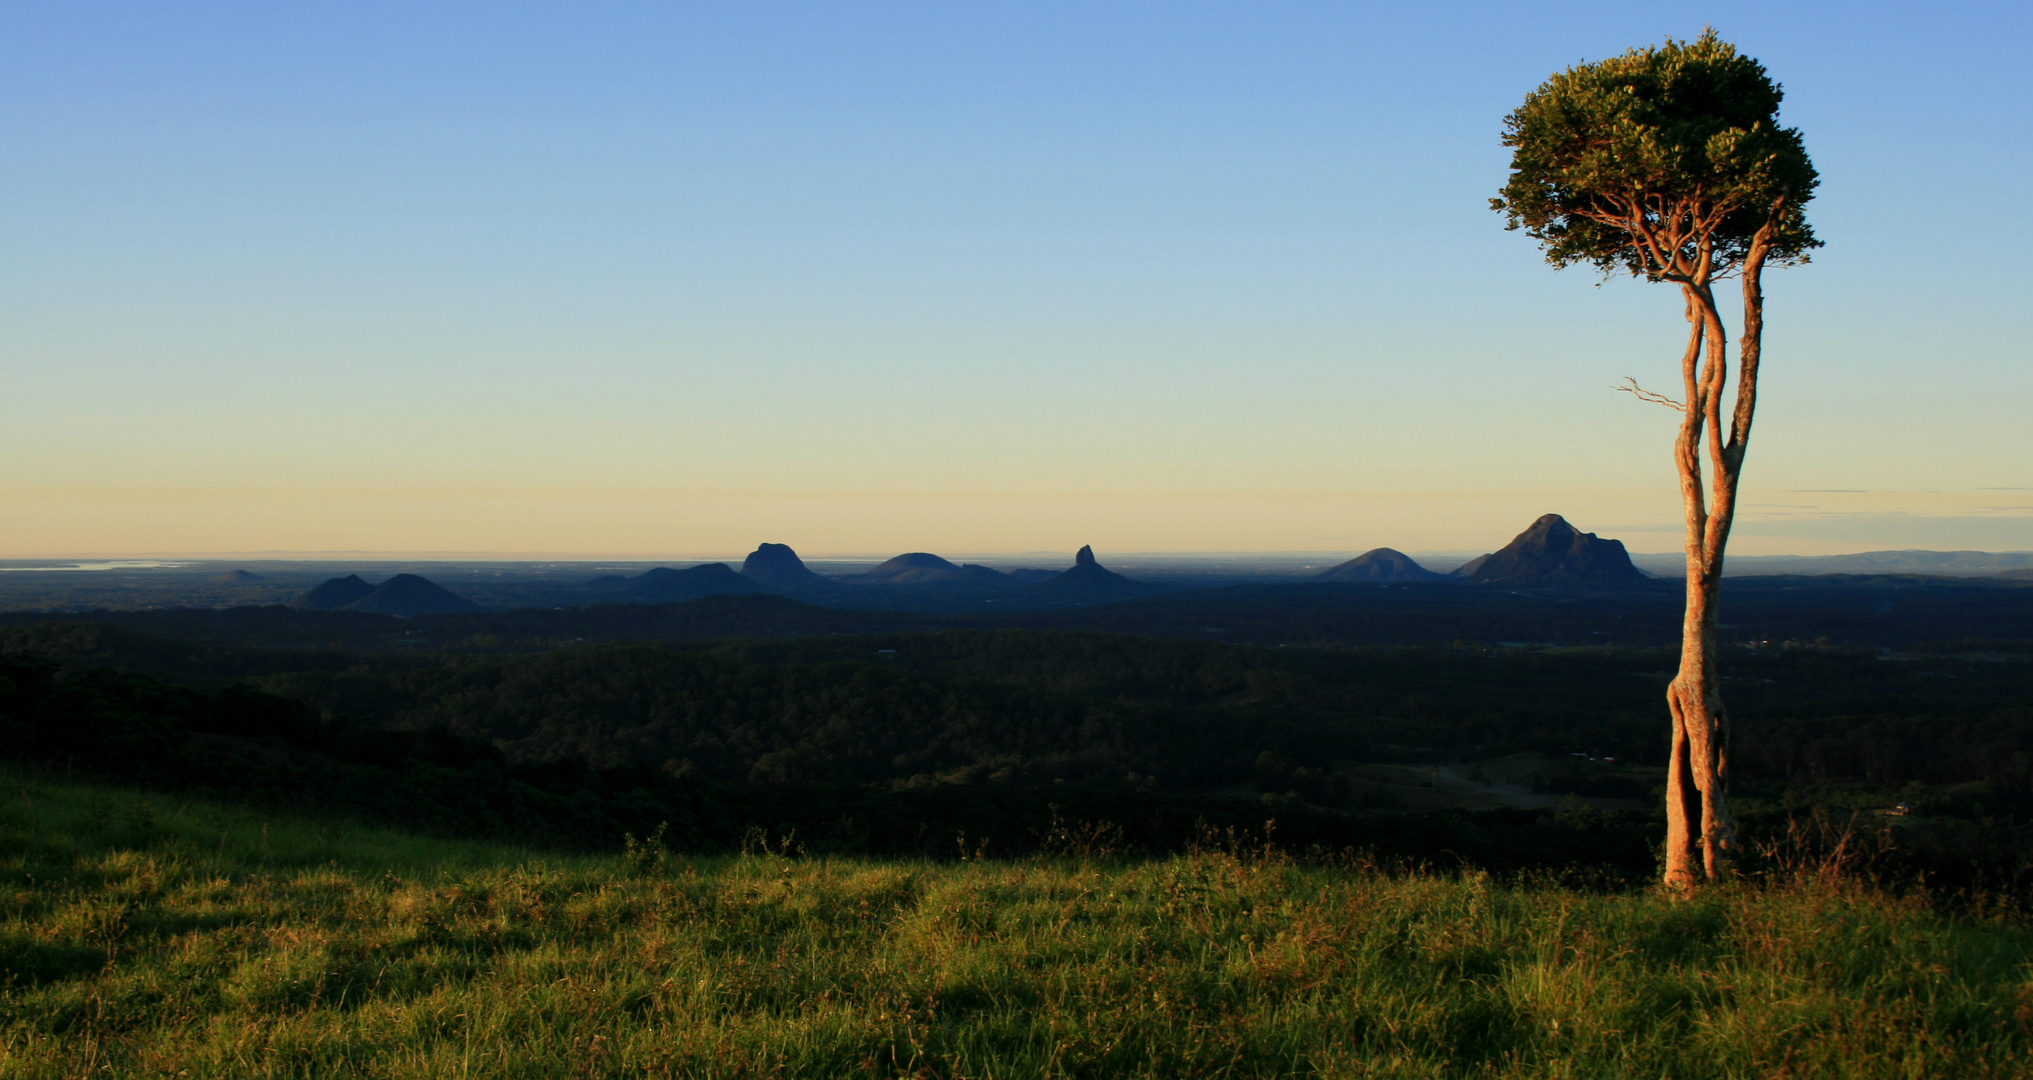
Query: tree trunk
{"x":1698,"y":821}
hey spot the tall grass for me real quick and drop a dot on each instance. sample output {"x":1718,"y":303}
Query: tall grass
{"x":144,"y":937}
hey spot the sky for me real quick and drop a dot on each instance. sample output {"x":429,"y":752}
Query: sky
{"x":619,"y":279}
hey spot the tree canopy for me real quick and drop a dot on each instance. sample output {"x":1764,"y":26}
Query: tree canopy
{"x":1665,"y":162}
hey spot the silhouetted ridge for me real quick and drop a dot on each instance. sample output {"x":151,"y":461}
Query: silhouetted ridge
{"x":778,"y":567}
{"x":664,"y":585}
{"x":334,"y":594}
{"x":927,"y":570}
{"x":238,"y":577}
{"x":1380,"y":564}
{"x":1554,"y":552}
{"x":408,"y":595}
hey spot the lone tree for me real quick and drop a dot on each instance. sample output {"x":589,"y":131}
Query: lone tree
{"x":1669,"y":164}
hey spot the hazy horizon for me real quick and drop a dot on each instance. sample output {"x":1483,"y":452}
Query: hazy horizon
{"x":1223,"y":278}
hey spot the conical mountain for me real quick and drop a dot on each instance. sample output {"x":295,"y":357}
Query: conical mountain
{"x":408,"y":595}
{"x":334,"y":594}
{"x":238,"y":577}
{"x":778,"y":567}
{"x":922,"y":569}
{"x":664,"y":585}
{"x":1380,"y":564}
{"x":915,"y":568}
{"x":1553,"y":552}
{"x":1089,"y":581}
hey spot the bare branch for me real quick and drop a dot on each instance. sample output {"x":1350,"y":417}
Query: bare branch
{"x":1632,"y":388}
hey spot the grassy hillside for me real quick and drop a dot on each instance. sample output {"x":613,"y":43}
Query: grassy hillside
{"x":152,"y":937}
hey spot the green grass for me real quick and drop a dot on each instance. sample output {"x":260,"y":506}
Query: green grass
{"x":146,"y":937}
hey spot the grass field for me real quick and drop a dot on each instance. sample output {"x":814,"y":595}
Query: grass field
{"x":143,"y":936}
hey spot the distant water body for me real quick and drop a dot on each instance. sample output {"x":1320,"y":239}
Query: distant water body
{"x":114,"y":564}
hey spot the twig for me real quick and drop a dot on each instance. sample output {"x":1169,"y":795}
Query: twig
{"x":1632,"y":388}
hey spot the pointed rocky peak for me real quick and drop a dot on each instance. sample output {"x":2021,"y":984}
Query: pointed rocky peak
{"x":1089,"y":581}
{"x":778,"y":567}
{"x":1380,"y":565}
{"x":333,"y":594}
{"x":1552,"y":551}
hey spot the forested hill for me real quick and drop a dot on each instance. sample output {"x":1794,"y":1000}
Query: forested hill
{"x":973,"y":730}
{"x":1032,"y":707}
{"x":1900,"y":613}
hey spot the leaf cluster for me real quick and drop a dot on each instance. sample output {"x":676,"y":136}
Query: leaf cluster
{"x":1665,"y":162}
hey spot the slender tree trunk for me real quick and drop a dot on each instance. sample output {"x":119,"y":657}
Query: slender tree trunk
{"x":1686,"y":784}
{"x":1698,"y":821}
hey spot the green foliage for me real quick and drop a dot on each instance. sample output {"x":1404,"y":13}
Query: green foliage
{"x":1661,"y":162}
{"x":236,"y":944}
{"x":647,"y":857}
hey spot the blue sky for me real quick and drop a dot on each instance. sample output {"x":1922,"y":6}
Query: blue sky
{"x":660,"y":280}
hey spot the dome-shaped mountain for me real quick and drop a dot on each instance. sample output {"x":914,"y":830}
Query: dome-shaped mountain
{"x":1553,"y":552}
{"x":923,"y":569}
{"x":778,"y":567}
{"x":1380,"y":564}
{"x":238,"y":577}
{"x":334,"y":594}
{"x":408,"y":595}
{"x":664,"y":585}
{"x":1088,"y":581}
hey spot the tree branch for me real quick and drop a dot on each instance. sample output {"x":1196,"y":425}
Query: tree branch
{"x":1632,"y":388}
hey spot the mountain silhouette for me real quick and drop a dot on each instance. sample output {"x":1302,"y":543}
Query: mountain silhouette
{"x":408,"y":595}
{"x":926,"y":570}
{"x":1380,"y":564}
{"x":334,"y":594}
{"x":1553,"y":552}
{"x":778,"y":567}
{"x":237,"y":577}
{"x":664,"y":585}
{"x":1088,"y":582}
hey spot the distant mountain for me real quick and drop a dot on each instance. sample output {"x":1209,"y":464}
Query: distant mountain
{"x":1088,"y":582}
{"x":238,"y":577}
{"x":1467,"y":570}
{"x":664,"y":585}
{"x":334,"y":594}
{"x":1380,"y":564}
{"x":2017,"y":575}
{"x":778,"y":567}
{"x":1939,"y":563}
{"x":922,"y":570}
{"x":1553,"y":552}
{"x":408,"y":595}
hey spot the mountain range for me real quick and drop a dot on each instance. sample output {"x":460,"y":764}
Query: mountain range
{"x":406,"y":595}
{"x":1549,"y":552}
